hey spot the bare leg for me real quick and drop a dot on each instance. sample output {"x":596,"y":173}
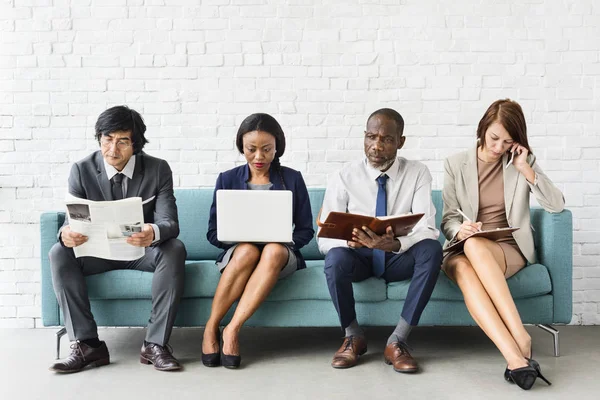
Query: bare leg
{"x":479,"y":304}
{"x":487,"y":258}
{"x":261,"y":282}
{"x":231,"y":286}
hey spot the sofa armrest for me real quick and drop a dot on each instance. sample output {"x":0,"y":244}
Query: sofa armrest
{"x":50,"y":223}
{"x":554,"y":245}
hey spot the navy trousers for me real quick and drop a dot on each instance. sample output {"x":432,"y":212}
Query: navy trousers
{"x":421,"y":263}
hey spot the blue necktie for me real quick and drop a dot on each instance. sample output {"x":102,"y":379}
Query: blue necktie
{"x":380,"y":210}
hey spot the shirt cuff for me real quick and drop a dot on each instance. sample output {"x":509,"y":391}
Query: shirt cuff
{"x":535,"y":180}
{"x":156,"y":233}
{"x":404,"y":244}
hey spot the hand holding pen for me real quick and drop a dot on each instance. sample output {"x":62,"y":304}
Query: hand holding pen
{"x":468,"y":227}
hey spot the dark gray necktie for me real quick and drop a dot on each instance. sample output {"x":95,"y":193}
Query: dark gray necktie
{"x":117,"y":186}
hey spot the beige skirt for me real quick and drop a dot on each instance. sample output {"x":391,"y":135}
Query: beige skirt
{"x":515,"y":261}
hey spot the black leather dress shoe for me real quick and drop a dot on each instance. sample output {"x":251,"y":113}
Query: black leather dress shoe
{"x":82,"y":356}
{"x":160,"y":356}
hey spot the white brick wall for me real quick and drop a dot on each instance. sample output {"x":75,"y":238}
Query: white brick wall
{"x":196,"y":68}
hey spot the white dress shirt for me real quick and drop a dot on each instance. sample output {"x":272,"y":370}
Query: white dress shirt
{"x":128,"y":172}
{"x":353,"y":189}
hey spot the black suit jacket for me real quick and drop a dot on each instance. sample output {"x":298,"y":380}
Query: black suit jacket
{"x":152,"y":181}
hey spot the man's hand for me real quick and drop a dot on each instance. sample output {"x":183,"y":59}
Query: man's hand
{"x":72,"y":239}
{"x":354,"y":245}
{"x":367,"y":238}
{"x":143,"y":238}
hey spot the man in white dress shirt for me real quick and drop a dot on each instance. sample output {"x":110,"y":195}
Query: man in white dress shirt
{"x":381,"y":184}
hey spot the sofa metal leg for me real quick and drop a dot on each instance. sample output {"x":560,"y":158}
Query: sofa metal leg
{"x":550,"y":329}
{"x":59,"y":334}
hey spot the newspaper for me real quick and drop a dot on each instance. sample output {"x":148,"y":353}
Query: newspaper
{"x":107,"y":224}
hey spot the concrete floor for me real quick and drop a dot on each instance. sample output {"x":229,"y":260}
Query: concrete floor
{"x":293,"y":363}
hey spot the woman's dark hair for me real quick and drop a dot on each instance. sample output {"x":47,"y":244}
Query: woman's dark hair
{"x":264,"y":123}
{"x":122,"y":118}
{"x":509,"y":114}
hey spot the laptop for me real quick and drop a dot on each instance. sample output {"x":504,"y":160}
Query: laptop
{"x":261,"y":216}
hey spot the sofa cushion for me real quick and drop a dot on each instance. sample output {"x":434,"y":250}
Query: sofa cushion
{"x":311,"y":250}
{"x":202,"y":277}
{"x":310,"y":283}
{"x":193,"y":206}
{"x":531,"y":281}
{"x":436,"y":198}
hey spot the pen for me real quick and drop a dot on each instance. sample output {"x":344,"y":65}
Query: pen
{"x":463,"y":214}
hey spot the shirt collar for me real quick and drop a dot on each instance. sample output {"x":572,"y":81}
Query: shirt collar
{"x":392,"y":172}
{"x":127,"y":171}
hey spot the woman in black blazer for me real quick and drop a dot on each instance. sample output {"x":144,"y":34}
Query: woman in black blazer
{"x":249,"y":270}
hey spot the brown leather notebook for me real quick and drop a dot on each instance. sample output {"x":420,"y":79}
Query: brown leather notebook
{"x":339,"y":225}
{"x":493,"y":234}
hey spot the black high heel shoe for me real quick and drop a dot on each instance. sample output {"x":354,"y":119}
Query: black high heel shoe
{"x":536,"y":366}
{"x":523,"y":377}
{"x":230,"y":361}
{"x":213,"y":359}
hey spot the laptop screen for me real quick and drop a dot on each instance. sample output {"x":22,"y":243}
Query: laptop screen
{"x":261,"y":216}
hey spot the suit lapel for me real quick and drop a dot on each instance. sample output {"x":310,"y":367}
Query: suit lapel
{"x":133,"y":188}
{"x":102,"y":179}
{"x":471,"y":181}
{"x":275,"y":179}
{"x":511,"y":176}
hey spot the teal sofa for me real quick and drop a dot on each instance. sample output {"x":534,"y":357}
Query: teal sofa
{"x":543,"y":292}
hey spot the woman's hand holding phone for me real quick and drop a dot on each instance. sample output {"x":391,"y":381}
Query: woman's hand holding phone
{"x":519,"y":160}
{"x":518,"y":155}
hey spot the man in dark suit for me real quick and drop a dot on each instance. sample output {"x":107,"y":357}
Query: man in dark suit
{"x":119,"y":170}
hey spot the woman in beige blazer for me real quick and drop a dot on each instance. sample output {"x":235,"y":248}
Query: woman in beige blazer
{"x":491,"y":184}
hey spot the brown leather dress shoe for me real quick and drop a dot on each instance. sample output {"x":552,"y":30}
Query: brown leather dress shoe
{"x":82,"y":356}
{"x":347,"y":355}
{"x":398,"y":356}
{"x":160,"y":356}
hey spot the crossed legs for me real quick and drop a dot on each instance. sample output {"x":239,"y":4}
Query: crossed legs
{"x":479,"y":273}
{"x":249,"y":276}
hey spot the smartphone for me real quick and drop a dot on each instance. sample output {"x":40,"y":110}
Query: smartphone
{"x":512,"y":155}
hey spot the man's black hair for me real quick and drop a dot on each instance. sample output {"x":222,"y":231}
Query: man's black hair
{"x":122,"y":118}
